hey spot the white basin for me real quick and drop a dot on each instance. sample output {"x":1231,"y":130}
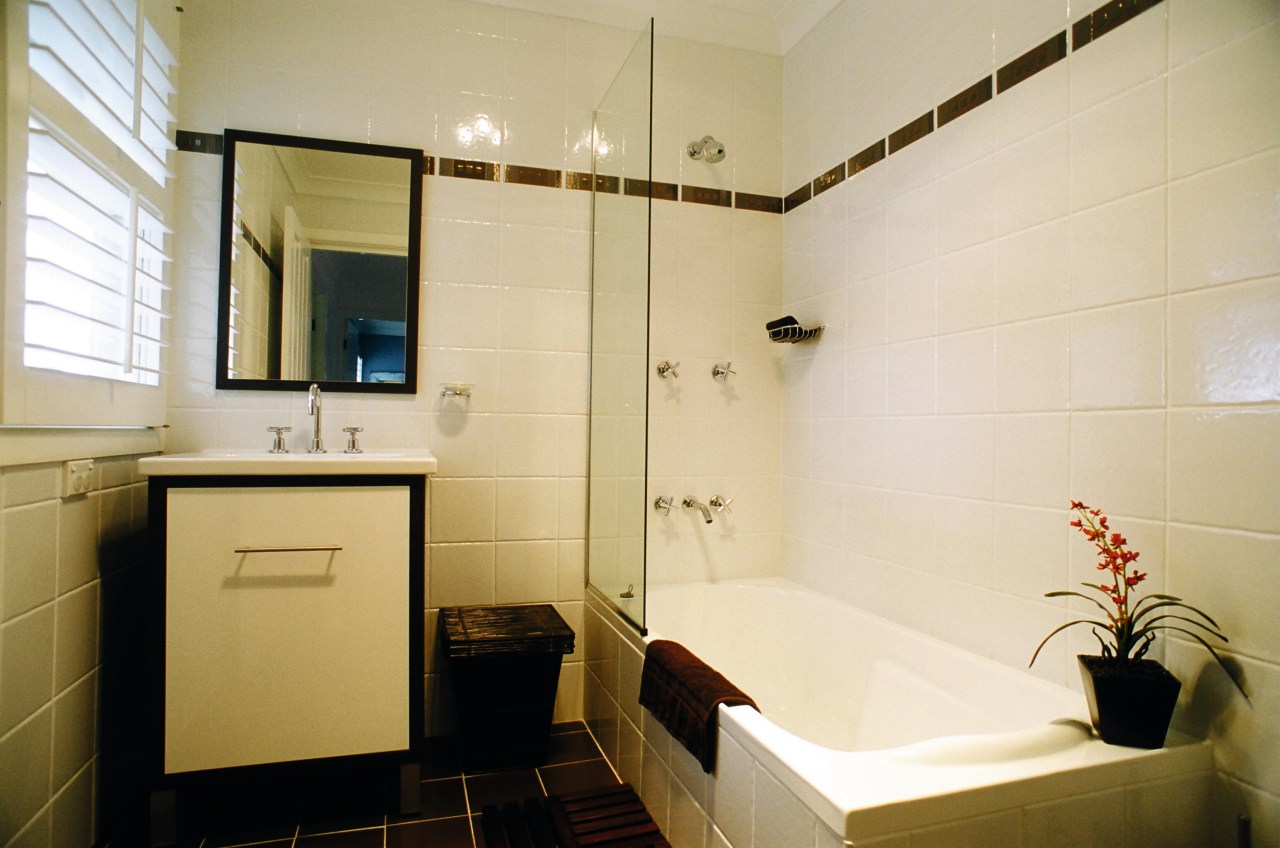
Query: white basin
{"x":240,"y":462}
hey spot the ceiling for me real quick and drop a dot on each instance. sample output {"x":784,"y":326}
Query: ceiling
{"x":765,"y":26}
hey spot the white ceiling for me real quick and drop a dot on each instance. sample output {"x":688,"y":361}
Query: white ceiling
{"x":765,"y":26}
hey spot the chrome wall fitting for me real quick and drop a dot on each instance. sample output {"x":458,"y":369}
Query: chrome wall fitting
{"x":462,"y":390}
{"x":720,"y":504}
{"x":690,"y":502}
{"x":353,"y":446}
{"x":663,"y":504}
{"x":278,"y":445}
{"x":665,"y":368}
{"x":720,"y":373}
{"x":707,"y":149}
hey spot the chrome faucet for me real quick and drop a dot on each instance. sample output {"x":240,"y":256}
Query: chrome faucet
{"x":313,"y":408}
{"x":690,"y":502}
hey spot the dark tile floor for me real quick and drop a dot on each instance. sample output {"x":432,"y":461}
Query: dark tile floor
{"x":363,"y":813}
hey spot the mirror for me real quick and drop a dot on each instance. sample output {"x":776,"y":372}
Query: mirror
{"x":321,"y":246}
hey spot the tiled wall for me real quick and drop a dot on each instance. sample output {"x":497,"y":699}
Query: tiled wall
{"x":505,"y":256}
{"x":59,"y":564}
{"x":1068,"y":291}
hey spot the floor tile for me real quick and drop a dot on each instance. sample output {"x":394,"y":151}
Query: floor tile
{"x":441,"y":833}
{"x":577,"y":776}
{"x":501,"y":786}
{"x":371,"y":838}
{"x":572,"y":748}
{"x":440,"y":799}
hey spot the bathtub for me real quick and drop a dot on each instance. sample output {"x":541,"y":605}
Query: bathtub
{"x":870,"y":733}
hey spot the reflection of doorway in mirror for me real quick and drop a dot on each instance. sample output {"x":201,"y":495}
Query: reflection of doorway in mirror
{"x":358,"y":316}
{"x":295,"y":330}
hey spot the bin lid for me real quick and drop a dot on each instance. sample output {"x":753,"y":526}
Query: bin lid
{"x":517,"y":629}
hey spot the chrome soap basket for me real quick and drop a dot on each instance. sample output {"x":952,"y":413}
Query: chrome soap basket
{"x":787,"y":329}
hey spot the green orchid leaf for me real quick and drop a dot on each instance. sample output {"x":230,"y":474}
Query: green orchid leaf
{"x":1149,"y":625}
{"x":1062,"y":593}
{"x":1169,"y":601}
{"x":1221,"y":662}
{"x":1058,"y":630}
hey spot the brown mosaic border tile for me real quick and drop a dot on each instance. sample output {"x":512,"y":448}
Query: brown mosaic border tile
{"x":1094,"y":25}
{"x":1106,"y":18}
{"x":526,"y":175}
{"x":757,"y":202}
{"x":910,"y":133}
{"x":582,"y":181}
{"x":864,"y":159}
{"x":260,"y":250}
{"x":827,"y":180}
{"x":706,"y":196}
{"x":198,"y":142}
{"x":650,"y":188}
{"x":971,"y":98}
{"x":468,"y":169}
{"x":798,"y":197}
{"x":1032,"y":62}
{"x":428,"y":165}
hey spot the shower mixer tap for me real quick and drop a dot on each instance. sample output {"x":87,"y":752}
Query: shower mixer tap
{"x":665,"y":367}
{"x":691,"y":502}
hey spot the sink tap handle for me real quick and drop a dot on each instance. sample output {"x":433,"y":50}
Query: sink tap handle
{"x":278,"y":445}
{"x":353,"y":446}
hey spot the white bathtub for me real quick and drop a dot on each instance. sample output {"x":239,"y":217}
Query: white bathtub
{"x":880,"y":732}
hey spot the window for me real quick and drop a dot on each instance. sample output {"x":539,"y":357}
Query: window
{"x":96,"y":176}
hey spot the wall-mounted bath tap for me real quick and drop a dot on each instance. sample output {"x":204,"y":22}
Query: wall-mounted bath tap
{"x":665,"y":368}
{"x":690,"y":502}
{"x":720,"y":504}
{"x":313,"y":408}
{"x":663,"y":504}
{"x":720,"y":373}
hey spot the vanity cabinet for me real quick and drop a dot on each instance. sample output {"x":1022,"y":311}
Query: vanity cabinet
{"x":292,"y":617}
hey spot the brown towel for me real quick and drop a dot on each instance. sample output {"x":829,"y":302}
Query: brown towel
{"x":683,"y":692}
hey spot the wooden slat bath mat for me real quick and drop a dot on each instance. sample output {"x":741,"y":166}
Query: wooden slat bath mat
{"x":609,"y":817}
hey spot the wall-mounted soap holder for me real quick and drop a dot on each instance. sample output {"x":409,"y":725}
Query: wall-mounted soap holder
{"x":460,"y":390}
{"x":788,"y":330}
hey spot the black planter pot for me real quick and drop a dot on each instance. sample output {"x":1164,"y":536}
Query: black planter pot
{"x":1130,"y":701}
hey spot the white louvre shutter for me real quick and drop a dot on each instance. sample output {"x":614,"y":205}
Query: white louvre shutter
{"x":96,"y":266}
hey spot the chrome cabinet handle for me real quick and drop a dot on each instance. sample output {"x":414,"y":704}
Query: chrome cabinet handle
{"x":291,"y":549}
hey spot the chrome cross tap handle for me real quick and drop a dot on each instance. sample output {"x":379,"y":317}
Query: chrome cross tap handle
{"x":278,"y":445}
{"x":353,"y":446}
{"x":720,"y":504}
{"x":663,"y":504}
{"x":665,"y":368}
{"x":720,"y":373}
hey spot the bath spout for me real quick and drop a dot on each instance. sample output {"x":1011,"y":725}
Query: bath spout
{"x":690,"y":502}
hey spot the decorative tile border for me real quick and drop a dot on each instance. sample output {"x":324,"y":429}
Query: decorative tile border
{"x":260,"y":250}
{"x":1089,"y":28}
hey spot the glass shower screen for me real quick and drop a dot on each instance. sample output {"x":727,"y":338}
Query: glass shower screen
{"x":620,"y":335}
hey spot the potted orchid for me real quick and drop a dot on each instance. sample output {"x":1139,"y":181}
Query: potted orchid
{"x":1131,"y":698}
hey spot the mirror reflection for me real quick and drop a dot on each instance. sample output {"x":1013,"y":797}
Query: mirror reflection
{"x":320,"y":256}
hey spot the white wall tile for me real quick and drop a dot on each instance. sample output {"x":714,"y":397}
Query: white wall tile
{"x":731,"y":803}
{"x":525,"y":572}
{"x":1119,"y":459}
{"x":1080,"y":820}
{"x":30,"y":560}
{"x":1003,"y":829}
{"x":462,"y":575}
{"x":1224,"y":345}
{"x":1031,"y":465}
{"x":967,"y":289}
{"x":1117,"y":356}
{"x":26,"y":789}
{"x":1169,"y":812}
{"x":1106,"y":269}
{"x":1197,"y":26}
{"x":1224,"y":225}
{"x":77,"y":635}
{"x":1032,"y":365}
{"x":1032,"y":272}
{"x":1222,"y":105}
{"x":1118,"y":148}
{"x":1035,"y":171}
{"x":781,"y":821}
{"x":527,"y":508}
{"x":27,"y":662}
{"x":74,"y":726}
{"x":1215,"y":476}
{"x":463,"y":510}
{"x":1129,"y":56}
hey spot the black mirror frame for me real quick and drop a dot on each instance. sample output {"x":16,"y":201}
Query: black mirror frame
{"x":416,"y":159}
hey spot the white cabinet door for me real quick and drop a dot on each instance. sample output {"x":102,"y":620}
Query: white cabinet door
{"x":279,"y":655}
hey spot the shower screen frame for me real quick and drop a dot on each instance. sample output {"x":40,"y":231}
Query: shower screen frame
{"x":621,"y":227}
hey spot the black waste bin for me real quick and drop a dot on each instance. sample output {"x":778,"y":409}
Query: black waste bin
{"x":505,"y":663}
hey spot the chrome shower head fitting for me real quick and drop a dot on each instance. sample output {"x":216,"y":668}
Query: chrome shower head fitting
{"x":707,"y":149}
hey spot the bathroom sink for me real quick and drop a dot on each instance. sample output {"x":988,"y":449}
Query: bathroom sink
{"x":239,"y":462}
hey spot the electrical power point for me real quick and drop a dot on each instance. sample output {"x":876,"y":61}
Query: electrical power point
{"x":77,"y":477}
